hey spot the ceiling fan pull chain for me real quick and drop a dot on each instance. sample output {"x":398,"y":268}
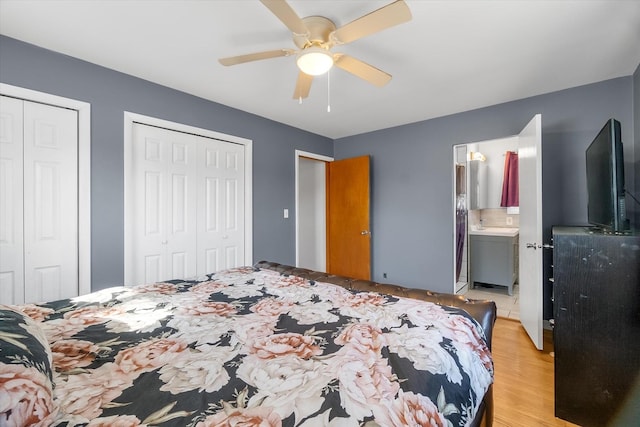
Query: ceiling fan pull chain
{"x":329,"y":91}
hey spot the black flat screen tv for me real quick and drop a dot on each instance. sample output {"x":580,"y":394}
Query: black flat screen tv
{"x":605,"y":180}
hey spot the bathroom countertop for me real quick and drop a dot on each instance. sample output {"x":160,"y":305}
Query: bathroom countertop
{"x":495,"y":231}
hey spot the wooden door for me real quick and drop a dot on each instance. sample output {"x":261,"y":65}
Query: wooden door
{"x":530,"y":246}
{"x":348,"y":222}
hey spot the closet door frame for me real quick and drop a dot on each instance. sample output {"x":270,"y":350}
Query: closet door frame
{"x":129,"y":120}
{"x":84,"y":171}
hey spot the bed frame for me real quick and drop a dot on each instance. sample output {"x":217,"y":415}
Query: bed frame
{"x":483,"y":311}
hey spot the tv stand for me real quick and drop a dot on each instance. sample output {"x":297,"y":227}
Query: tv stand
{"x":596,"y":332}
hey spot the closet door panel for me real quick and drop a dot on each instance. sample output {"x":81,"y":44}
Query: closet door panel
{"x":47,"y":284}
{"x":232,"y":237}
{"x":209,"y":226}
{"x":211,"y":202}
{"x":211,"y":261}
{"x":153,"y":268}
{"x":11,"y":202}
{"x":152,"y":196}
{"x":234,"y":205}
{"x":231,"y":203}
{"x":149,"y":199}
{"x":221,"y":190}
{"x":181,"y":170}
{"x":50,"y":202}
{"x":164,"y":201}
{"x":151,"y":231}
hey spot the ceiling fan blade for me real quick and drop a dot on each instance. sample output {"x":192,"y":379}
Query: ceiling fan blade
{"x":361,"y":69}
{"x":234,"y":60}
{"x":303,"y":85}
{"x":387,"y":16}
{"x":287,"y":15}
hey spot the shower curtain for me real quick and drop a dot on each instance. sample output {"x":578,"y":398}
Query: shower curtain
{"x":510,"y":193}
{"x":461,"y":225}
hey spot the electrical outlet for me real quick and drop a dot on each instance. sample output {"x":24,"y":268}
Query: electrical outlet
{"x":286,"y":213}
{"x":509,"y":220}
{"x":384,"y":275}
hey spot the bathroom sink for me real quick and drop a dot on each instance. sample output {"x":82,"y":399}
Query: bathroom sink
{"x":495,"y":231}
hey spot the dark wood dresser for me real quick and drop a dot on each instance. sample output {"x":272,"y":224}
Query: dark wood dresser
{"x":596,"y":323}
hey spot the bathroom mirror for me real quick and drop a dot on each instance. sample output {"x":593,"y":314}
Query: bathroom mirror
{"x":486,"y":171}
{"x":478,"y":181}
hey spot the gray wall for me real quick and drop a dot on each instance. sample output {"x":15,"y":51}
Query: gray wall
{"x":411,"y":165}
{"x":110,"y":94}
{"x":412,"y":173}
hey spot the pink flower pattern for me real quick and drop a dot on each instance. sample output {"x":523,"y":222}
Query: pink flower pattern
{"x":242,"y":348}
{"x":26,"y":397}
{"x":70,"y":354}
{"x":288,"y":343}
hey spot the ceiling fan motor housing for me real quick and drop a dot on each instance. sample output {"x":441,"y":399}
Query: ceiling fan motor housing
{"x":319,"y":30}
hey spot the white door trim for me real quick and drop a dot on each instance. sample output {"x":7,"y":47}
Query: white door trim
{"x":129,"y":120}
{"x":298,"y":155}
{"x":454,"y":178}
{"x":84,"y":171}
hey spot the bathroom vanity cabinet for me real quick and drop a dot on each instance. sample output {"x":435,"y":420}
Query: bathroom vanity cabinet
{"x":596,"y":332}
{"x":494,"y":256}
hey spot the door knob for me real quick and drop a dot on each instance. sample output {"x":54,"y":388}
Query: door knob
{"x":365,"y":232}
{"x":532,"y":246}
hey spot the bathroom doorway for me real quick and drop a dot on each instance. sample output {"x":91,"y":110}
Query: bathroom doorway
{"x":478,"y":184}
{"x":476,"y":211}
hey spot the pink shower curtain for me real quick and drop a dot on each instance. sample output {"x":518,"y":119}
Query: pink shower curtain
{"x":510,"y":194}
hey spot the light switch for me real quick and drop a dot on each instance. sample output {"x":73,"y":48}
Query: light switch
{"x":286,"y":213}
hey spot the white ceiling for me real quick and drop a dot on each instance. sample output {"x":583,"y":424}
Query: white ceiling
{"x":453,"y":56}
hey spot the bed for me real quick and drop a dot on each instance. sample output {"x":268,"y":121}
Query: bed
{"x":263,"y":345}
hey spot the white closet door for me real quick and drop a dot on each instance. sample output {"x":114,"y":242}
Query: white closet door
{"x":221,"y":205}
{"x":181,"y":200}
{"x":39,"y":195}
{"x":51,"y":202}
{"x":187,"y":201}
{"x":11,"y":202}
{"x":164,"y":198}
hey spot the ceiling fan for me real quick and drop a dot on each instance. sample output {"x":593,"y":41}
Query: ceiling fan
{"x":315,"y":36}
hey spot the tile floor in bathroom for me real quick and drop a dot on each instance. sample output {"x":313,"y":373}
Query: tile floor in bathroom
{"x":508,"y":305}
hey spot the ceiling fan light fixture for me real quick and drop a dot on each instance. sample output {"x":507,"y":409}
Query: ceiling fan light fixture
{"x":314,"y":61}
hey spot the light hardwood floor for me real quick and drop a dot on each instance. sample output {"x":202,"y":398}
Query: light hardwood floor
{"x":523,"y":385}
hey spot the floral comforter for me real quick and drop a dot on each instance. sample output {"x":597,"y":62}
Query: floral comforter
{"x":241,"y":347}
